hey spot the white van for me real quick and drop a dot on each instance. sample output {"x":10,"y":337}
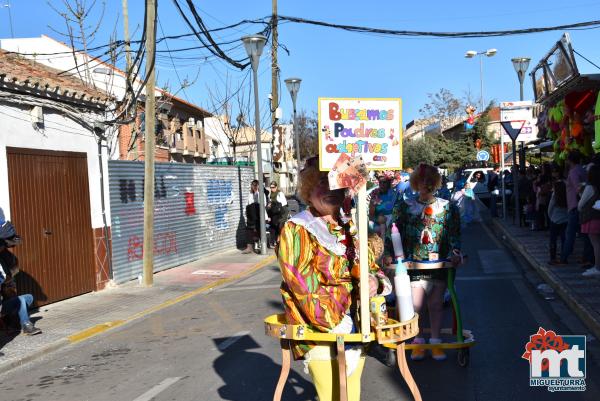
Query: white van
{"x":480,"y":188}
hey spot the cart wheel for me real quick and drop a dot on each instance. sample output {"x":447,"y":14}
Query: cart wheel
{"x":463,"y":357}
{"x":390,"y":361}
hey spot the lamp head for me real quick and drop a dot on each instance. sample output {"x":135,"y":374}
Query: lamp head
{"x":491,"y":52}
{"x":254,"y":45}
{"x":521,"y":64}
{"x":470,"y":54}
{"x":293,"y":85}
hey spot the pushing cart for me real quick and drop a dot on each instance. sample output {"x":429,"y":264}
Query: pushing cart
{"x":464,"y":338}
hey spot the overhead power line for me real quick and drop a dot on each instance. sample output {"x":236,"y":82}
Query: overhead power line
{"x":475,"y":34}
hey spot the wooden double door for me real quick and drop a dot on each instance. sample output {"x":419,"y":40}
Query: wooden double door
{"x":50,"y":209}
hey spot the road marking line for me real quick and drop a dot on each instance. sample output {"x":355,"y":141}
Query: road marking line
{"x":232,"y":340}
{"x":159,"y":388}
{"x":100,"y":328}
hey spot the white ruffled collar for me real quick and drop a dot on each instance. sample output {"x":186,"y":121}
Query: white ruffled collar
{"x":416,"y":207}
{"x":318,"y":228}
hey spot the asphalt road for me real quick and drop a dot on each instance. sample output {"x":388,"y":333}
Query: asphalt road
{"x":213,"y":347}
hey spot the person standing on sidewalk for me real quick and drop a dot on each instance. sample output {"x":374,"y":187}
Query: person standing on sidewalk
{"x":543,"y":190}
{"x":277,"y":209}
{"x":492,"y":187}
{"x":252,"y":217}
{"x":575,"y":177}
{"x":590,"y":217}
{"x":557,"y":211}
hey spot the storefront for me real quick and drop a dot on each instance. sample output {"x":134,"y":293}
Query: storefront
{"x":570,"y":100}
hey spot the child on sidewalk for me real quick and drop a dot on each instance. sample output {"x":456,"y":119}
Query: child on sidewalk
{"x":557,"y":211}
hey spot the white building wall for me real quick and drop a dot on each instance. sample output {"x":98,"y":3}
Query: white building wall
{"x":214,"y":127}
{"x":60,"y":134}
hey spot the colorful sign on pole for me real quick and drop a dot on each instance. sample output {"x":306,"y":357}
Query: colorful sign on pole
{"x":367,"y":127}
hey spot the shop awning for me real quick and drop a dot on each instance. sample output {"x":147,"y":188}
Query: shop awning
{"x":578,"y":83}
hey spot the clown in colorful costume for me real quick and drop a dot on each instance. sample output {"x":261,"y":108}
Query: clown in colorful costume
{"x":320,"y":271}
{"x":430,"y":232}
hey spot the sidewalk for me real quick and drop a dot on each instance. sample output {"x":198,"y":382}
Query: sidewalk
{"x":580,"y":293}
{"x":76,"y":319}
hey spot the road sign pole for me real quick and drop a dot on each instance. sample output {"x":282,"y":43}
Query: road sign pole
{"x":517,"y":213}
{"x":502,"y":176}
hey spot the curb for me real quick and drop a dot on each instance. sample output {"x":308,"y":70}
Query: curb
{"x":580,"y":309}
{"x":104,"y":327}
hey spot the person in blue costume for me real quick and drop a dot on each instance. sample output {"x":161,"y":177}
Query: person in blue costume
{"x":382,"y":203}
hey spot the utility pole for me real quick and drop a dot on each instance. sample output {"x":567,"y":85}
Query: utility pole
{"x":126,"y":36}
{"x":274,"y":82}
{"x":149,"y":145}
{"x":7,"y":5}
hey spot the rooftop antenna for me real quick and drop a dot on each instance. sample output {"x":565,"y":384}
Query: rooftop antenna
{"x":7,"y":5}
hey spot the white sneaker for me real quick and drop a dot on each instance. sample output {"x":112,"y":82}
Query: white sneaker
{"x":591,"y":272}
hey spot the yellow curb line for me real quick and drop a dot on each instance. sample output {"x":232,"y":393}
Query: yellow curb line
{"x":103,"y":327}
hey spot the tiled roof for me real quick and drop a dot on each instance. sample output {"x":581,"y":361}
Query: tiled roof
{"x":29,"y":76}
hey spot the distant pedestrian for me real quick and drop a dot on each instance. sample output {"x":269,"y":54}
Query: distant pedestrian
{"x":252,"y":218}
{"x":575,"y":177}
{"x":492,"y":186}
{"x":557,"y":211}
{"x":590,"y":216}
{"x":277,"y":209}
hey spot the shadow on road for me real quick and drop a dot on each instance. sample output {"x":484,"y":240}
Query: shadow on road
{"x":251,"y":376}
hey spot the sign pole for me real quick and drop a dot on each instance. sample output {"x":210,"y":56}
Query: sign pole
{"x":365,"y":317}
{"x":517,"y":213}
{"x":502,"y":176}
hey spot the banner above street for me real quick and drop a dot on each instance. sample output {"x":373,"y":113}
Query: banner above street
{"x":366,"y":127}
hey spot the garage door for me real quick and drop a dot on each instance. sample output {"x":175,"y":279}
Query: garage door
{"x":50,"y":208}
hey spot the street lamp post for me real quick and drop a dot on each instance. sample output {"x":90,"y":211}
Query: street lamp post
{"x":293,"y":86}
{"x":488,"y":53}
{"x":520,"y":64}
{"x":254,"y":45}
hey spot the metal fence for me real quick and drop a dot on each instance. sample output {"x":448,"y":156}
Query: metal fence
{"x":198,"y":210}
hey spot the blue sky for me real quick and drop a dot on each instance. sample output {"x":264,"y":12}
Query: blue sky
{"x":336,"y":63}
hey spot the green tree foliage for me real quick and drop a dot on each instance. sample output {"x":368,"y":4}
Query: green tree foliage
{"x":415,"y":152}
{"x":436,"y":149}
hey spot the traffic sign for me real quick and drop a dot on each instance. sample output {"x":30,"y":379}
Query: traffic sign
{"x":483,"y":156}
{"x":513,"y":128}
